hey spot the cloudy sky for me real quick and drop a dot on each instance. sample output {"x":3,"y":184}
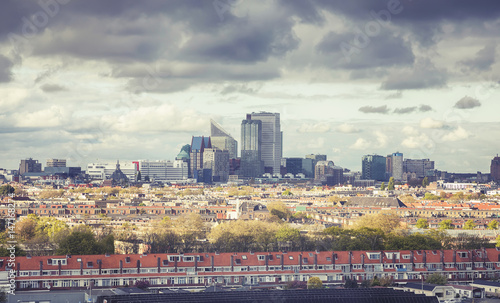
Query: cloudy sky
{"x":101,"y":80}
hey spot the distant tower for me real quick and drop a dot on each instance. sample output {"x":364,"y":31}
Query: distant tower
{"x":29,"y":166}
{"x":373,"y":167}
{"x":251,"y":164}
{"x":397,"y":166}
{"x":198,"y":145}
{"x":495,"y":169}
{"x":222,"y":140}
{"x":272,"y":140}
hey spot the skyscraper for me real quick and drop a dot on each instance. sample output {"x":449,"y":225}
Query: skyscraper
{"x":373,"y":167}
{"x":272,"y":140}
{"x":198,"y":145}
{"x":495,"y":168}
{"x":251,"y":164}
{"x":397,"y":166}
{"x":218,"y":161}
{"x":222,"y":140}
{"x":419,"y":167}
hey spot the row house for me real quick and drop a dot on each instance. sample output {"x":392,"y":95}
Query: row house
{"x":251,"y":268}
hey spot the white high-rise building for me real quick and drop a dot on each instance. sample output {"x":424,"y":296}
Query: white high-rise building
{"x":272,"y":140}
{"x":397,"y":166}
{"x":162,"y":171}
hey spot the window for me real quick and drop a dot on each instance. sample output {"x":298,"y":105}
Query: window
{"x":305,"y":260}
{"x":188,"y":259}
{"x":406,"y":257}
{"x":261,"y":257}
{"x":278,"y":256}
{"x":373,"y":256}
{"x":328,"y":259}
{"x":462,"y":254}
{"x":243,"y":257}
{"x":290,"y":257}
{"x":173,"y":258}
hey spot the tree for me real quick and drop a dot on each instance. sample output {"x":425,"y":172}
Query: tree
{"x":436,"y":278}
{"x":446,"y":224}
{"x":422,"y":223}
{"x":350,"y":283}
{"x":425,"y":182}
{"x":279,"y":209}
{"x":493,"y":224}
{"x":26,"y":228}
{"x":139,"y":176}
{"x":430,"y":196}
{"x":382,"y":186}
{"x":469,"y":224}
{"x":288,"y":234}
{"x":6,"y":190}
{"x":189,"y":227}
{"x":497,"y":241}
{"x":287,"y":193}
{"x":391,"y":184}
{"x":81,"y":241}
{"x":142,"y":284}
{"x":314,"y":283}
{"x":386,"y":221}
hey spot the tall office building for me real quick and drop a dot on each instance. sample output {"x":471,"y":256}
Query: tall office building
{"x":397,"y":166}
{"x":272,"y":140}
{"x":495,"y":168}
{"x":198,"y":145}
{"x":418,"y":167}
{"x":163,"y":170}
{"x":103,"y":171}
{"x":373,"y":167}
{"x":251,"y":164}
{"x":328,"y":174}
{"x":222,"y":140}
{"x":30,"y":166}
{"x":56,"y":163}
{"x":218,"y":161}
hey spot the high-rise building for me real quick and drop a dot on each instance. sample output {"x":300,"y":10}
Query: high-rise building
{"x":495,"y":169}
{"x":272,"y":140}
{"x":198,"y":145}
{"x":418,"y":167}
{"x":397,"y":166}
{"x":30,"y":166}
{"x":316,"y":157}
{"x":56,"y":163}
{"x":328,"y":174}
{"x":251,"y":164}
{"x":218,"y":161}
{"x":373,"y":167}
{"x":222,"y":140}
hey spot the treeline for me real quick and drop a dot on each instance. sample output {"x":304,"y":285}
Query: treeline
{"x":189,"y":233}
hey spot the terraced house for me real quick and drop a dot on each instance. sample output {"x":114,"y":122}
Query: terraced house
{"x":200,"y":269}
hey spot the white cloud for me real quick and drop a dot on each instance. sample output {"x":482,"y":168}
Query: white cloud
{"x":409,"y":131}
{"x":314,"y":128}
{"x":458,"y":134}
{"x":360,"y":144}
{"x":382,"y":138}
{"x":347,"y":129}
{"x":431,"y":123}
{"x":416,"y":141}
{"x":318,"y":143}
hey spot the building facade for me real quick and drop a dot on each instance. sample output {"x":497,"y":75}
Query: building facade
{"x":373,"y":167}
{"x":222,"y":140}
{"x":420,"y":167}
{"x":250,"y":268}
{"x":251,"y":165}
{"x":56,"y":163}
{"x":29,"y":166}
{"x":218,"y":161}
{"x":103,"y":171}
{"x":272,"y":140}
{"x":163,"y":171}
{"x":495,"y":169}
{"x":198,"y":145}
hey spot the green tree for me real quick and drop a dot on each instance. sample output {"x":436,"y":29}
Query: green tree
{"x":279,"y":209}
{"x":287,"y":193}
{"x":425,"y":182}
{"x":390,"y":186}
{"x":446,"y":224}
{"x":436,"y":278}
{"x":469,"y":224}
{"x":350,"y":283}
{"x":386,"y":221}
{"x":314,"y":283}
{"x":430,"y":196}
{"x":6,"y":190}
{"x":493,"y":224}
{"x":497,"y":241}
{"x":26,"y":228}
{"x":422,"y":223}
{"x":189,"y":228}
{"x":382,"y":186}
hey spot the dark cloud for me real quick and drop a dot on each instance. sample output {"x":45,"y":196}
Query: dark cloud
{"x":52,"y":88}
{"x":405,"y":110}
{"x":467,"y":102}
{"x":483,"y":59}
{"x":355,"y":50}
{"x":243,"y":89}
{"x":423,"y":75}
{"x":374,"y":110}
{"x":424,"y":108}
{"x":5,"y":69}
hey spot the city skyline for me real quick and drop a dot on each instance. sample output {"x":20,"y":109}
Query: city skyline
{"x":91,"y":81}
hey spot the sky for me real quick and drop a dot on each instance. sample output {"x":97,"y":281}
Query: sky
{"x":95,"y":81}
